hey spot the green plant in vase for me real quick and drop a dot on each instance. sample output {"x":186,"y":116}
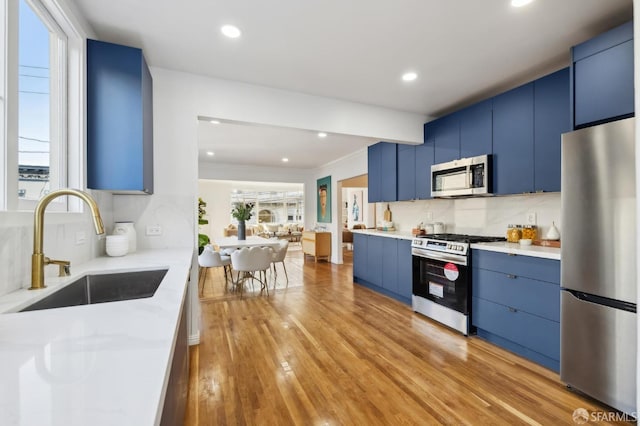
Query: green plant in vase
{"x":203,"y":239}
{"x":242,"y":212}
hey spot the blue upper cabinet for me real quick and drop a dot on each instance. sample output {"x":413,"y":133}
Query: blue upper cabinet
{"x":513,"y":141}
{"x":406,"y":172}
{"x":423,"y":161}
{"x":602,"y":71}
{"x":382,"y":169}
{"x":476,"y":129}
{"x":374,"y":156}
{"x":446,"y":135}
{"x":551,"y":119}
{"x":119,"y":119}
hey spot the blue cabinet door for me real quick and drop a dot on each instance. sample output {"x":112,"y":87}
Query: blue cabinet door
{"x":423,"y":161}
{"x":375,"y":251}
{"x":119,"y":119}
{"x":389,"y":262}
{"x":374,"y":172}
{"x":360,"y":256}
{"x":513,"y":141}
{"x":388,"y":172}
{"x":447,"y":139}
{"x":405,"y":270}
{"x":603,"y":77}
{"x":406,"y":172}
{"x":551,"y":119}
{"x":476,"y":129}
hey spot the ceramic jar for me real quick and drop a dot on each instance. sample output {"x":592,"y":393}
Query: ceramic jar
{"x":127,"y":229}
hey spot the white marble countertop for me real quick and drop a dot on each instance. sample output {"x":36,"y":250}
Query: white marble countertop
{"x":515,"y":248}
{"x":388,"y":234}
{"x":103,"y":364}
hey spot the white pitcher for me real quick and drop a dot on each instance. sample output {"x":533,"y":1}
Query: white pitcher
{"x":128,"y":229}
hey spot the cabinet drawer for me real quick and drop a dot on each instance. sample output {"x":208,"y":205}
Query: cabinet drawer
{"x":535,"y":297}
{"x":309,"y":246}
{"x":525,"y":266}
{"x":538,"y":334}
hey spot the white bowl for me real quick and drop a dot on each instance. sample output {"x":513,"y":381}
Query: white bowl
{"x":525,"y":242}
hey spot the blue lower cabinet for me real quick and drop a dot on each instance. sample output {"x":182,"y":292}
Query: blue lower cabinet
{"x":390,"y":264}
{"x":383,"y":264}
{"x":375,"y":251}
{"x":359,"y":256}
{"x":516,"y":304}
{"x":405,"y":270}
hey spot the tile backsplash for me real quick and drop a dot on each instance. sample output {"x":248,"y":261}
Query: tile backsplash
{"x":478,"y":216}
{"x":63,"y":233}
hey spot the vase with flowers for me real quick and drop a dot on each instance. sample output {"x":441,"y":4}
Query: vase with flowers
{"x":242,"y":212}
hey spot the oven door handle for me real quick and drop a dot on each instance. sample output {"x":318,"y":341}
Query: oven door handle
{"x":458,"y":260}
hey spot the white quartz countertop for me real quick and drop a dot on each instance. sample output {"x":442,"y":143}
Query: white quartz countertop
{"x":388,"y":234}
{"x":102,"y":364}
{"x":515,"y":248}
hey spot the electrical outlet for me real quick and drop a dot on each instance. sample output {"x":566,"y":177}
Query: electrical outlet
{"x":154,"y":230}
{"x":531,"y":218}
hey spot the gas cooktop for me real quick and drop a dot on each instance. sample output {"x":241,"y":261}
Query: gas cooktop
{"x":462,"y":238}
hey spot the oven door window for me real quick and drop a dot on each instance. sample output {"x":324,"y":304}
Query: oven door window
{"x":442,"y":282}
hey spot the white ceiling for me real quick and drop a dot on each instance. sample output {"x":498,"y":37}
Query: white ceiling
{"x":462,"y":50}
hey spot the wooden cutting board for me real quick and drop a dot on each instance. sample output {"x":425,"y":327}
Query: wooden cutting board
{"x":547,"y":243}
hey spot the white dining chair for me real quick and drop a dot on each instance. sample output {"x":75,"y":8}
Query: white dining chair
{"x":210,"y":258}
{"x":249,"y":261}
{"x":278,"y":257}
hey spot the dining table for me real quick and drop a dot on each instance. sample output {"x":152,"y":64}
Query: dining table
{"x":252,"y":241}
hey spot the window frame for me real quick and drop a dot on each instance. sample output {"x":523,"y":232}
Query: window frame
{"x":67,"y":107}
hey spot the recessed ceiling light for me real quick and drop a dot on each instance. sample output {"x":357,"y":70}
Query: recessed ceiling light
{"x":520,"y":3}
{"x":322,"y":135}
{"x":214,"y":122}
{"x":230,"y":31}
{"x":284,"y":160}
{"x":210,"y":153}
{"x":409,"y":76}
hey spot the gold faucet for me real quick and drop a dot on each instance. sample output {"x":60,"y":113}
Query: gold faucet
{"x":38,"y":259}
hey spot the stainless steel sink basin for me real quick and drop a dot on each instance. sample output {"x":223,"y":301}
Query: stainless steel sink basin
{"x":102,"y":288}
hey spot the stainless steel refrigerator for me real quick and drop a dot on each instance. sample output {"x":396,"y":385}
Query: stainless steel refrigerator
{"x":598,"y":297}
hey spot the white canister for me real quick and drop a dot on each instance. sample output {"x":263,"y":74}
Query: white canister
{"x":438,"y":228}
{"x":128,"y":229}
{"x":117,"y":245}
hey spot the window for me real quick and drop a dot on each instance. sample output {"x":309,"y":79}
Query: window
{"x":42,"y":134}
{"x":272,"y":206}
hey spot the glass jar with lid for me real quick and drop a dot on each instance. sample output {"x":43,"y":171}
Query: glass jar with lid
{"x":530,"y":232}
{"x":514,"y":233}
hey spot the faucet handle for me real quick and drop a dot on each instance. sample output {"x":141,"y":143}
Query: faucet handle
{"x":64,"y":269}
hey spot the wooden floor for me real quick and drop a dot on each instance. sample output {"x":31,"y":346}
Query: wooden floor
{"x":327,"y":352}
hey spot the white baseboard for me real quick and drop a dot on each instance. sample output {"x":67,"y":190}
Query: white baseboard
{"x":194,"y":339}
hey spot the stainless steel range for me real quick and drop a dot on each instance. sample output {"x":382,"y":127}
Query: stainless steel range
{"x":442,"y":277}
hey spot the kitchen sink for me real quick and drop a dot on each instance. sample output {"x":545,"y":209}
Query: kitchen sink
{"x":103,"y":288}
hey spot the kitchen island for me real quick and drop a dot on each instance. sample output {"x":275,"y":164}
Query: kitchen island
{"x":102,"y":364}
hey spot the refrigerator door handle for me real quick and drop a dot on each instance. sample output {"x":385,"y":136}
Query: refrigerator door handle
{"x":605,"y":301}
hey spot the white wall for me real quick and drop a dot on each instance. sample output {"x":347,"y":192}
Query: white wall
{"x":348,"y":167}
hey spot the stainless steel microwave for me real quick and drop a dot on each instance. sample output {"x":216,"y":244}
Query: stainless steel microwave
{"x":463,"y":177}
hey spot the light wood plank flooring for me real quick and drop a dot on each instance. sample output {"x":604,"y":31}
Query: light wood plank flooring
{"x":327,"y":352}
